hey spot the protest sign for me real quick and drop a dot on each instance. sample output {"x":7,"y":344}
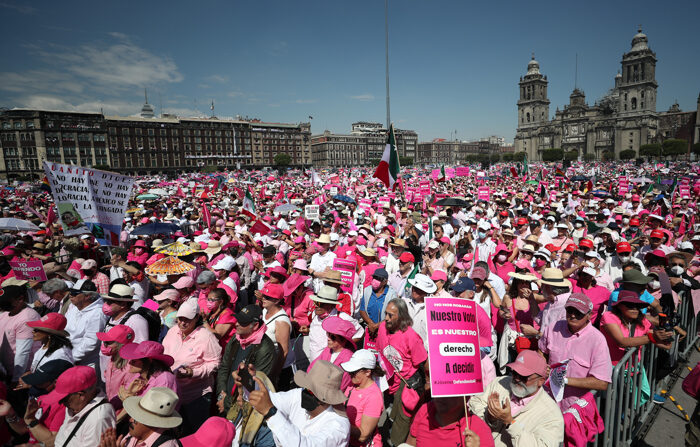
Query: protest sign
{"x":366,"y":204}
{"x":462,"y":171}
{"x":450,"y":172}
{"x":89,"y":200}
{"x":347,"y":269}
{"x":684,"y":191}
{"x":556,"y":379}
{"x":311,"y":212}
{"x":29,"y":270}
{"x":435,"y":174}
{"x":453,"y":347}
{"x":334,"y":190}
{"x":484,"y":193}
{"x":424,"y":186}
{"x":417,"y":198}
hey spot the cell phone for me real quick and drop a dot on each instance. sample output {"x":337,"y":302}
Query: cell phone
{"x":246,"y":379}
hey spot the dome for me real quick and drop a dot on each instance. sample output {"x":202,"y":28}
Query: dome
{"x":640,"y":41}
{"x":533,"y":67}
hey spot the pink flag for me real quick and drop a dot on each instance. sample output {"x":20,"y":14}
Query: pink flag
{"x":205,"y":215}
{"x":179,"y":192}
{"x":280,"y":196}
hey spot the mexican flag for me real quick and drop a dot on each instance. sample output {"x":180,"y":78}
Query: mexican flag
{"x":388,"y":169}
{"x":249,"y":203}
{"x":431,"y":234}
{"x":525,"y":169}
{"x":442,"y":177}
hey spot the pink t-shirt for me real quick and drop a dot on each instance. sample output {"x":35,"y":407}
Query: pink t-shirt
{"x":13,"y":328}
{"x":427,"y":431}
{"x":584,"y":350}
{"x":599,"y":295}
{"x":342,"y":357}
{"x":114,"y":378}
{"x":404,"y":351}
{"x":617,"y":352}
{"x":365,"y":402}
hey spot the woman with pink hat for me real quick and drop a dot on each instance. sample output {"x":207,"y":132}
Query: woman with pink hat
{"x":501,"y":263}
{"x":340,"y":345}
{"x":50,"y":332}
{"x":279,"y":326}
{"x":117,"y":369}
{"x":168,"y":301}
{"x":297,"y":303}
{"x":149,"y":367}
{"x":138,"y":253}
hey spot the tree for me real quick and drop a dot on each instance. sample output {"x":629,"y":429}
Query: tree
{"x":650,"y":150}
{"x":282,"y":159}
{"x":519,"y":156}
{"x":628,"y":154}
{"x":102,"y":167}
{"x":674,"y":147}
{"x":555,"y":154}
{"x":405,"y":161}
{"x":571,"y":155}
{"x":696,"y":148}
{"x":589,"y":157}
{"x":508,"y":156}
{"x":608,"y":155}
{"x":209,"y":169}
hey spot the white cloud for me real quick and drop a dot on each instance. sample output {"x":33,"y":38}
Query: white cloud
{"x":22,"y":9}
{"x":217,"y":78}
{"x":363,"y":97}
{"x":306,"y":101}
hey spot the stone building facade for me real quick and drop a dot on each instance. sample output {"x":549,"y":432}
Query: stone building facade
{"x":625,"y":118}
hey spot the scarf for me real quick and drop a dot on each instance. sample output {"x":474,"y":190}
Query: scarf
{"x":253,"y":339}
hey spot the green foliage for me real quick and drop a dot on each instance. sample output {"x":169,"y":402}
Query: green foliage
{"x":571,"y":155}
{"x":650,"y":150}
{"x":608,"y":155}
{"x":589,"y":157}
{"x":628,"y":154}
{"x":405,"y":161}
{"x":102,"y":167}
{"x":282,"y":159}
{"x":696,"y":148}
{"x":674,"y":147}
{"x":508,"y":156}
{"x":555,"y":154}
{"x":209,"y":169}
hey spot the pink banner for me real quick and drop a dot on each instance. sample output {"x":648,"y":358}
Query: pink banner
{"x":449,"y":172}
{"x":435,"y":174}
{"x":462,"y":171}
{"x":417,"y":198}
{"x":453,"y":347}
{"x":424,"y":187}
{"x":484,"y":193}
{"x":29,"y":270}
{"x":347,"y":269}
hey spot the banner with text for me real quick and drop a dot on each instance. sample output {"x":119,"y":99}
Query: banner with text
{"x":29,"y":270}
{"x":347,"y":269}
{"x":453,"y":347}
{"x":89,"y":200}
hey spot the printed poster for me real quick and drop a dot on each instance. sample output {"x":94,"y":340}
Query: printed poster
{"x":346,"y":268}
{"x":453,"y":347}
{"x":29,"y":270}
{"x":89,"y":200}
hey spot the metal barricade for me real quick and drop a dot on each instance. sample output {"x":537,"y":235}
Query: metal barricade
{"x":627,"y":404}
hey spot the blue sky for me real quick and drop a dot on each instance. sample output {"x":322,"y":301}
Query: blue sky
{"x":454,"y":65}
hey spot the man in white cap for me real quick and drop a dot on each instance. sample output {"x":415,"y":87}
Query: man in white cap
{"x":484,"y":247}
{"x":151,"y":419}
{"x":321,"y":261}
{"x":326,"y":301}
{"x":421,"y":286}
{"x":84,"y":320}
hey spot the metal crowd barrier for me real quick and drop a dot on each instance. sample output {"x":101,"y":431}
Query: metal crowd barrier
{"x":627,"y":404}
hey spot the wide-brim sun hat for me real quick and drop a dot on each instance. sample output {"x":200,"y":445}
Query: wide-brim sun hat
{"x":323,"y":380}
{"x":554,"y":277}
{"x":522,"y":276}
{"x":156,"y":408}
{"x":423,"y":282}
{"x":326,"y":294}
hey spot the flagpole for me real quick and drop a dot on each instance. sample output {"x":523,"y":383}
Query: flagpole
{"x":386,"y":50}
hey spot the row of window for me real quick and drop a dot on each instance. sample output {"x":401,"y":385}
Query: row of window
{"x":17,"y":125}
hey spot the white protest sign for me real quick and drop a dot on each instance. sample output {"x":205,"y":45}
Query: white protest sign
{"x":311,"y":212}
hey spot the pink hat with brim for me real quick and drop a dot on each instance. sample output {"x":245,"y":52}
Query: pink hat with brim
{"x":120,"y":333}
{"x":300,"y":264}
{"x":184,"y":283}
{"x":340,"y":327}
{"x":214,"y":432}
{"x":145,"y":350}
{"x":529,"y":362}
{"x":292,"y":283}
{"x":72,"y":380}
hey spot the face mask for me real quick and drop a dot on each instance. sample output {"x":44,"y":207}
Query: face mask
{"x":655,"y":284}
{"x":138,"y":251}
{"x":677,"y":270}
{"x":482,"y":235}
{"x":107,"y":310}
{"x":591,"y":264}
{"x":625,"y":221}
{"x":501,"y":258}
{"x":624,"y":259}
{"x":578,"y":224}
{"x":376,"y":284}
{"x":211,"y":305}
{"x":106,"y":350}
{"x":308,"y":402}
{"x":539,"y":263}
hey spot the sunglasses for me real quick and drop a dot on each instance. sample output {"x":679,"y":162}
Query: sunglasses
{"x":638,"y":306}
{"x":575,"y":313}
{"x":75,"y":292}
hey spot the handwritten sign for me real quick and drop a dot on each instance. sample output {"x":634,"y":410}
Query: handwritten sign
{"x":311,"y":212}
{"x":453,"y":347}
{"x":29,"y":270}
{"x":450,"y":172}
{"x":347,"y":269}
{"x":334,"y":191}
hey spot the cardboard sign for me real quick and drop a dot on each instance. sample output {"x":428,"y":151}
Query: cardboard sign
{"x":484,"y":193}
{"x":383,"y":199}
{"x":462,"y":171}
{"x":453,"y":347}
{"x":311,"y":212}
{"x":29,"y":270}
{"x":335,"y":179}
{"x":366,"y":204}
{"x":347,"y":268}
{"x":417,"y":198}
{"x":684,"y":191}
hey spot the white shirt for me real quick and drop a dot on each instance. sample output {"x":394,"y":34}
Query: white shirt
{"x":83,"y":326}
{"x":318,"y":341}
{"x":292,"y":427}
{"x":41,"y":357}
{"x":281,"y":315}
{"x":115,"y":273}
{"x":318,"y":264}
{"x":88,"y":435}
{"x":418,"y":315}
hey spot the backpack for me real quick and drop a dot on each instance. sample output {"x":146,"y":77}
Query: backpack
{"x":165,"y":437}
{"x":151,"y":317}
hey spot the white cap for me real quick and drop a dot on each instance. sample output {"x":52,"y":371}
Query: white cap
{"x":588,"y":271}
{"x":562,"y":225}
{"x":484,"y":226}
{"x":592,"y":254}
{"x":225,"y":263}
{"x":433,"y":244}
{"x":686,"y":246}
{"x":352,"y":233}
{"x":361,"y":359}
{"x":334,"y":237}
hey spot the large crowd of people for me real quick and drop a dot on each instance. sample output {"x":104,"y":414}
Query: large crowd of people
{"x":269,"y":324}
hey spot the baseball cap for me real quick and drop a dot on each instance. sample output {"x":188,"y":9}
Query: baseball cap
{"x":189,"y":309}
{"x":433,"y":244}
{"x":478,"y":273}
{"x":463,"y":284}
{"x":249,"y":314}
{"x":407,"y":257}
{"x":72,"y":380}
{"x":47,"y":372}
{"x":274,"y":291}
{"x":184,"y":283}
{"x":623,"y":247}
{"x":529,"y":362}
{"x":169,"y":294}
{"x":634,"y":276}
{"x":120,"y":333}
{"x":380,"y":273}
{"x":657,"y":234}
{"x":580,"y":302}
{"x":571,"y":247}
{"x":361,"y":359}
{"x":439,"y":275}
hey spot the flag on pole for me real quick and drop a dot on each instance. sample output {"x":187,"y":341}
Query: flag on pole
{"x":431,"y":235}
{"x":513,"y":172}
{"x":442,"y":177}
{"x":180,"y":193}
{"x":249,"y":202}
{"x":388,"y":169}
{"x":559,"y":173}
{"x":280,"y":196}
{"x":206,"y":215}
{"x":526,"y":169}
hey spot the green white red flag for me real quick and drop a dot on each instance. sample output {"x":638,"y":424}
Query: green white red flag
{"x":388,"y":169}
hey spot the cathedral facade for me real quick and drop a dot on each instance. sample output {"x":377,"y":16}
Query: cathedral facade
{"x":625,"y":118}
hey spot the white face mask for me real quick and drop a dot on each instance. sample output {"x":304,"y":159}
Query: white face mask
{"x":655,"y":284}
{"x":624,"y":259}
{"x":677,"y":270}
{"x":625,"y":221}
{"x":578,"y":224}
{"x":501,"y":258}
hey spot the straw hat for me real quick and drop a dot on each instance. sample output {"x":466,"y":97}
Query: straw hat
{"x":213,"y":247}
{"x":554,"y":277}
{"x":522,"y":276}
{"x":369,"y":252}
{"x":120,"y":292}
{"x":326,"y":294}
{"x":156,"y":408}
{"x":333,"y":277}
{"x":324,"y":239}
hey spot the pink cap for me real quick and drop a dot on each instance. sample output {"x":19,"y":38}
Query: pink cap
{"x":72,"y":380}
{"x":529,"y":362}
{"x":635,"y":197}
{"x":445,"y":240}
{"x":184,"y":283}
{"x":478,"y":273}
{"x":144,"y":220}
{"x":120,"y":333}
{"x":343,"y":328}
{"x":145,"y":350}
{"x":88,"y":264}
{"x":214,"y":432}
{"x":140,"y":243}
{"x":151,"y":305}
{"x":53,"y":321}
{"x":439,"y":275}
{"x":169,"y":294}
{"x":301,"y":265}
